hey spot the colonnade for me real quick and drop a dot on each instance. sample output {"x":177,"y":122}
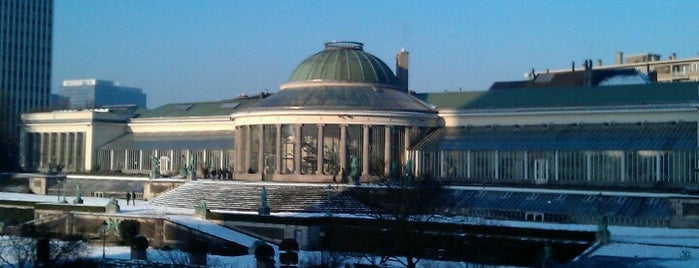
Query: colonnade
{"x":320,"y":149}
{"x":50,"y":150}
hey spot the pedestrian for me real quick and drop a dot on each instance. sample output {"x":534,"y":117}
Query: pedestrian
{"x":128,"y":197}
{"x":133,"y":196}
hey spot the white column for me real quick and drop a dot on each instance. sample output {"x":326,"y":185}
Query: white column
{"x":320,"y":150}
{"x":297,"y":150}
{"x":406,"y":147}
{"x":220,"y":159}
{"x":111,"y":159}
{"x":126,"y":160}
{"x":248,"y":143}
{"x":623,"y":167}
{"x":260,"y":151}
{"x":278,"y":150}
{"x":497,"y":165}
{"x":343,"y":148}
{"x":238,"y":150}
{"x":526,"y":165}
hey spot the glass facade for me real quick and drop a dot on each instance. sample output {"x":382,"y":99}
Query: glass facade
{"x":562,"y":167}
{"x":26,"y":29}
{"x":92,"y":93}
{"x":325,"y":149}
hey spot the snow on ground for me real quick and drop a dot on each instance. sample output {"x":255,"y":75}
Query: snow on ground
{"x":674,"y":247}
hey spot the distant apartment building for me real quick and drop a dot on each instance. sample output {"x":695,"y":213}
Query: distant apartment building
{"x":94,"y":93}
{"x":25,"y":68}
{"x":658,"y":69}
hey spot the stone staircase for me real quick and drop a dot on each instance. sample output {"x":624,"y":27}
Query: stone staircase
{"x":245,"y":196}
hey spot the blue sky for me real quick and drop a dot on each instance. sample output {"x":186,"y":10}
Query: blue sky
{"x":180,"y":51}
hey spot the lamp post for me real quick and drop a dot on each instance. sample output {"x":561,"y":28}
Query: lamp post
{"x":103,"y":232}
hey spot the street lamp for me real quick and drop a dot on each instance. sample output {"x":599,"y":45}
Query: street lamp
{"x":103,"y":232}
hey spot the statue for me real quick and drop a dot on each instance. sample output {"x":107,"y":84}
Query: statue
{"x":154,"y":167}
{"x":394,"y":170}
{"x":112,"y":206}
{"x":63,"y":192}
{"x":201,"y":210}
{"x":354,"y":172}
{"x":603,"y":234}
{"x":190,"y":168}
{"x":78,"y":195}
{"x":409,"y":170}
{"x":548,"y":256}
{"x":264,"y":208}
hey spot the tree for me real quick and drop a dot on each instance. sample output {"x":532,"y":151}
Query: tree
{"x":24,"y":251}
{"x":403,"y":210}
{"x":17,"y":251}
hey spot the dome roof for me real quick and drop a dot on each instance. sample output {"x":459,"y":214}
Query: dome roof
{"x":344,"y":62}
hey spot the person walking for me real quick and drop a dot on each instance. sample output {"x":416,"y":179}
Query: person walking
{"x":128,"y":198}
{"x":133,"y":198}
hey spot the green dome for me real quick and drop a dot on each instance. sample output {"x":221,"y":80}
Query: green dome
{"x":344,"y":62}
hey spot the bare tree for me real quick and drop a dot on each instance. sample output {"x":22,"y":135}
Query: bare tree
{"x":24,"y":248}
{"x":68,"y":249}
{"x":17,"y":251}
{"x":403,"y":210}
{"x":175,"y":257}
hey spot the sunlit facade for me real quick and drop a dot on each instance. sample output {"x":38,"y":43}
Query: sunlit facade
{"x":344,"y":116}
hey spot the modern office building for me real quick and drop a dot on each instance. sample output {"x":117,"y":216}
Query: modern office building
{"x":25,"y":67}
{"x":94,"y":93}
{"x":658,"y":69}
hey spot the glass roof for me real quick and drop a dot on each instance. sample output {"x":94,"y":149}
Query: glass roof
{"x":571,"y":204}
{"x":343,"y":98}
{"x":173,"y":141}
{"x":646,"y":136}
{"x":344,"y":61}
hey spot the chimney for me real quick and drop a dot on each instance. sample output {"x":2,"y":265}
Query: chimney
{"x":572,"y":66}
{"x":619,"y":59}
{"x":599,"y":62}
{"x":587,"y":76}
{"x":402,"y":69}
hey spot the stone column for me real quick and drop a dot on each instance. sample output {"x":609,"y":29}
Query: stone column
{"x":387,"y":152}
{"x":278,"y":149}
{"x":343,"y":148}
{"x":260,"y":152}
{"x":406,"y":135}
{"x":238,"y":150}
{"x":588,"y":165}
{"x":320,"y":150}
{"x":248,"y":143}
{"x":42,"y":153}
{"x":297,"y":149}
{"x":50,"y":150}
{"x":365,"y":151}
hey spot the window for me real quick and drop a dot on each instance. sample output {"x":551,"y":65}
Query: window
{"x":541,"y":169}
{"x":678,"y":70}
